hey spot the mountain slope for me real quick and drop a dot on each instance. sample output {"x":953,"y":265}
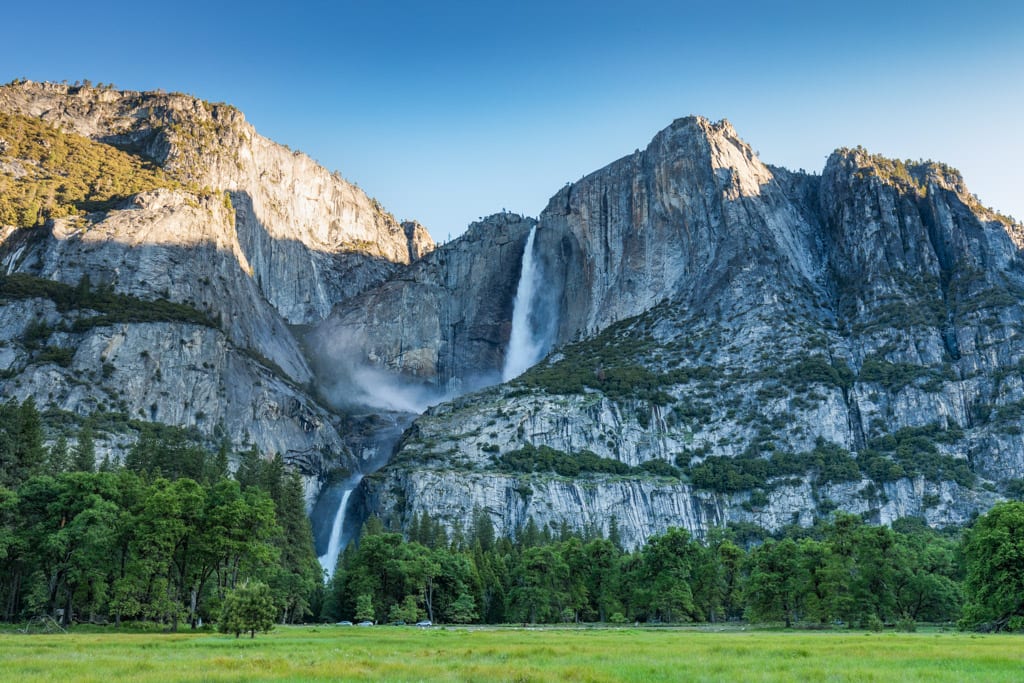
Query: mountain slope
{"x":733,"y":342}
{"x":166,"y":199}
{"x":755,"y":345}
{"x":310,"y":238}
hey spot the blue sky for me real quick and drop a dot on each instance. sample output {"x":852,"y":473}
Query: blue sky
{"x":447,"y":111}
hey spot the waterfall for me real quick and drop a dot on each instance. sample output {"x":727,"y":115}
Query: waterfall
{"x":329,"y":559}
{"x":523,"y":349}
{"x":373,"y":441}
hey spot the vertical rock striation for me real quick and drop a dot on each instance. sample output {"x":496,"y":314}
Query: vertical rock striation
{"x":751,"y":345}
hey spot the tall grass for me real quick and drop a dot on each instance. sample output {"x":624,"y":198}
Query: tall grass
{"x":406,"y":654}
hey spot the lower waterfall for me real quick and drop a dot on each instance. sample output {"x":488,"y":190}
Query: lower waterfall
{"x":337,"y":516}
{"x":329,"y":559}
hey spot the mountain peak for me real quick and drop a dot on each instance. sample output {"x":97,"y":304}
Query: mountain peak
{"x":282,"y":201}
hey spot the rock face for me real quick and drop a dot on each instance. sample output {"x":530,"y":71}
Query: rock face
{"x":167,"y":244}
{"x":734,"y":342}
{"x":310,"y":238}
{"x":251,"y":235}
{"x":442,"y":322}
{"x":670,"y":220}
{"x":790,"y":343}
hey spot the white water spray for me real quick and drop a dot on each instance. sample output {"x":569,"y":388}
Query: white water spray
{"x":523,"y":349}
{"x":329,"y":560}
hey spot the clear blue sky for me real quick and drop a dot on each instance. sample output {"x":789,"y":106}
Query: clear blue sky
{"x":446,"y":111}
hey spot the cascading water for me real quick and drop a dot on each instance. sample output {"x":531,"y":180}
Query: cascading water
{"x":329,"y":560}
{"x":337,"y":515}
{"x":523,"y":348}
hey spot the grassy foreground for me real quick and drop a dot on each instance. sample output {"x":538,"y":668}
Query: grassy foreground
{"x":407,"y":654}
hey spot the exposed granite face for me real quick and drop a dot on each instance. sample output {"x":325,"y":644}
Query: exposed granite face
{"x":256,"y":237}
{"x":178,"y":374}
{"x":675,"y":219}
{"x":703,"y":304}
{"x":164,"y":244}
{"x":744,"y":311}
{"x":311,"y":238}
{"x":444,"y":321}
{"x":446,"y":468}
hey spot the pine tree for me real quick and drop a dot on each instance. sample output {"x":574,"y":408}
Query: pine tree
{"x":85,"y":450}
{"x":218,"y":466}
{"x":28,"y":455}
{"x":249,"y":607}
{"x":59,"y":459}
{"x":483,"y":530}
{"x":614,"y":535}
{"x":299,"y":573}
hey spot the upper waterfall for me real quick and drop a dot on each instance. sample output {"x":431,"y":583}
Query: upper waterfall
{"x":523,"y":348}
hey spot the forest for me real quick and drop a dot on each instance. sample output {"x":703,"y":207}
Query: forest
{"x":170,"y":534}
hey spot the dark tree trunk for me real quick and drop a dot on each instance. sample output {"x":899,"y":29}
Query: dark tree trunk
{"x":66,"y":619}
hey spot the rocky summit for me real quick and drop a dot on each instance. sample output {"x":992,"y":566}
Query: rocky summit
{"x":716,"y":340}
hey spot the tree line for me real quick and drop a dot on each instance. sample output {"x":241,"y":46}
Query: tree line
{"x":164,"y":536}
{"x":839,"y":572}
{"x":170,"y":536}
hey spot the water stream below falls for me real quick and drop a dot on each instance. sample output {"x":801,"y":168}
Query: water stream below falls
{"x":334,"y":525}
{"x":333,"y":529}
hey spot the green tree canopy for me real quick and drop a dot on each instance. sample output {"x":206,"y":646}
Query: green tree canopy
{"x":250,"y":607}
{"x":994,"y":557}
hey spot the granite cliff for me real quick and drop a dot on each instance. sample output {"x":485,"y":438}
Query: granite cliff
{"x":443,"y":322}
{"x":251,"y":236}
{"x":740,"y":343}
{"x":730,"y":342}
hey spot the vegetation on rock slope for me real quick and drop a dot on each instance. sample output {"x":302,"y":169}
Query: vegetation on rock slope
{"x":167,"y":534}
{"x":46,"y":173}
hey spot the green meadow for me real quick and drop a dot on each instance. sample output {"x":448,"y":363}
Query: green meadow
{"x":408,"y":654}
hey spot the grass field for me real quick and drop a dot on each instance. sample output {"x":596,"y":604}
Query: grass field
{"x":408,"y":654}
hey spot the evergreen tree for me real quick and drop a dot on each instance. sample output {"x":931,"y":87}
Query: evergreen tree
{"x":248,"y":607}
{"x":21,"y":442}
{"x":463,"y":610}
{"x":218,"y":466}
{"x":59,"y":458}
{"x":406,"y":611}
{"x":531,"y":535}
{"x":483,"y":530}
{"x":364,"y":608}
{"x":298,"y":574}
{"x":85,"y":449}
{"x":602,"y":578}
{"x":614,"y":535}
{"x":29,"y":453}
{"x":669,"y":561}
{"x":540,"y":591}
{"x":775,"y":584}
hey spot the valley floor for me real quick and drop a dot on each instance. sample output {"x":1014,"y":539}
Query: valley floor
{"x":504,"y":654}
